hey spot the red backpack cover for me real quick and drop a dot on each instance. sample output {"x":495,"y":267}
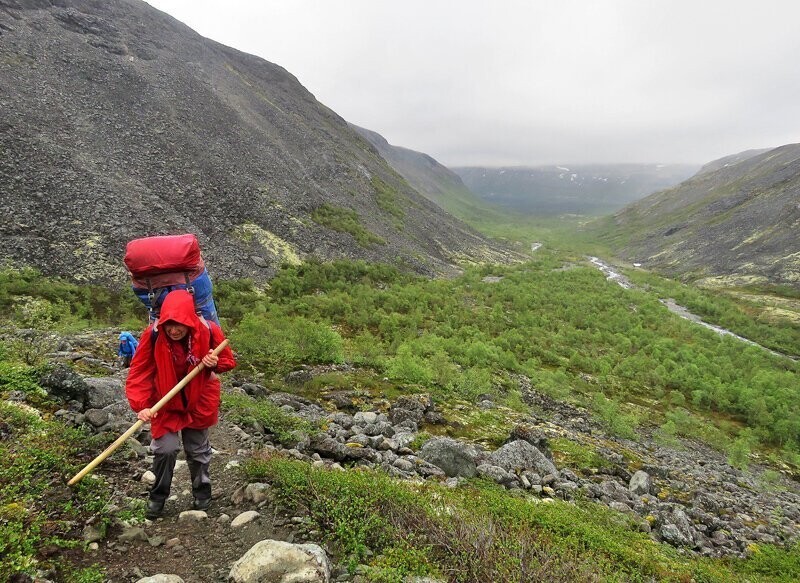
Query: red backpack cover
{"x":163,"y":260}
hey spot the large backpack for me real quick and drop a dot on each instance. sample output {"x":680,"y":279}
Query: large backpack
{"x":161,"y":264}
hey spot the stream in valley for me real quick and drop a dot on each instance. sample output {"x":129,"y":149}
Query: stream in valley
{"x":613,"y":275}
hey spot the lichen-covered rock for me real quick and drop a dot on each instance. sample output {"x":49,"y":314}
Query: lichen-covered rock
{"x":455,"y":458}
{"x":104,"y":391}
{"x":64,"y":385}
{"x":520,"y":455}
{"x":640,"y":483}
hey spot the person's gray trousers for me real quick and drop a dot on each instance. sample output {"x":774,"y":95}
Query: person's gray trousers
{"x":198,"y":456}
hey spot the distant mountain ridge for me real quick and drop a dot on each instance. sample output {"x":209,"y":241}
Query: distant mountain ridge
{"x":574,"y":189}
{"x":730,"y":160}
{"x":738,"y":219}
{"x":429,"y":177}
{"x":120,"y":122}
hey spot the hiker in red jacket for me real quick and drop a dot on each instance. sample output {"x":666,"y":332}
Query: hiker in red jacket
{"x":168,"y":350}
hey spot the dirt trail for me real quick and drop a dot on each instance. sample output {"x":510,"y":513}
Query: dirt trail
{"x":198,"y":551}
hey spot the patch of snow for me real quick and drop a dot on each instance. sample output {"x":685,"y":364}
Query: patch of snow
{"x":562,"y":168}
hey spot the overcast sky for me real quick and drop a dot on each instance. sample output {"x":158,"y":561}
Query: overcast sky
{"x":513,"y":82}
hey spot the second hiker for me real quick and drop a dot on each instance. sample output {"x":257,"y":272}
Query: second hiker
{"x":127,"y":348}
{"x":168,"y":350}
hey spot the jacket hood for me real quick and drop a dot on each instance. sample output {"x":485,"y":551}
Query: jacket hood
{"x":178,"y":307}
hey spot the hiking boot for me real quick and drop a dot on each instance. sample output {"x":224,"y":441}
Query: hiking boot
{"x":154,"y":509}
{"x":201,"y":503}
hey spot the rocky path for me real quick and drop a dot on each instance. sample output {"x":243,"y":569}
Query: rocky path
{"x":196,"y":546}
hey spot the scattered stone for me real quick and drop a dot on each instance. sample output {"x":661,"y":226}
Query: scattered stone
{"x":104,"y":391}
{"x":520,"y":455}
{"x":92,"y":533}
{"x":278,"y":561}
{"x":640,"y":483}
{"x":192,"y":515}
{"x":244,"y":518}
{"x":136,"y":533}
{"x":257,"y":492}
{"x":453,"y":457}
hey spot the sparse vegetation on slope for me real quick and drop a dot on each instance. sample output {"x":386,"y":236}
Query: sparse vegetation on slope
{"x":734,"y":219}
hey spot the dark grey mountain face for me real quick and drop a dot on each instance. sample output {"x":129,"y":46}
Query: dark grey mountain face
{"x":118,"y":122}
{"x":582,"y":189}
{"x":739,"y":219}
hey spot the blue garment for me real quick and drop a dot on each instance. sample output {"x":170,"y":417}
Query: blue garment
{"x":203,"y":297}
{"x":127,"y":344}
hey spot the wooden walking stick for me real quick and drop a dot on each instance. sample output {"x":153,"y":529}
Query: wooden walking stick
{"x":135,"y":427}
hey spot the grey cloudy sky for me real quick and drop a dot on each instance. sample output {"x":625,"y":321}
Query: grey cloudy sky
{"x":512,"y":82}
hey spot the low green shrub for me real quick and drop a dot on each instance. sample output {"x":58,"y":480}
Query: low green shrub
{"x":613,"y":417}
{"x":36,"y":509}
{"x":30,"y":300}
{"x":276,"y":342}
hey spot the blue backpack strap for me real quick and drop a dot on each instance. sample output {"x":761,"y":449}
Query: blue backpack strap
{"x":159,"y":293}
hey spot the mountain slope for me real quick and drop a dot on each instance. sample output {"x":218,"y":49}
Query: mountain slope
{"x":740,"y":219}
{"x":582,"y":189}
{"x":120,"y":122}
{"x":429,"y":178}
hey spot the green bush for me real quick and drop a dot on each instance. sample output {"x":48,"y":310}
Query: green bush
{"x":611,"y":415}
{"x":274,"y":341}
{"x":30,"y":300}
{"x":388,"y":200}
{"x":407,"y":366}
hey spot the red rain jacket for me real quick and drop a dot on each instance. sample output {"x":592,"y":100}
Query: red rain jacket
{"x":158,"y":366}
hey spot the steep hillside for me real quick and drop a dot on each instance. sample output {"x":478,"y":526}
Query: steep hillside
{"x":583,"y":189}
{"x":740,"y":220}
{"x":120,"y":122}
{"x":429,"y":177}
